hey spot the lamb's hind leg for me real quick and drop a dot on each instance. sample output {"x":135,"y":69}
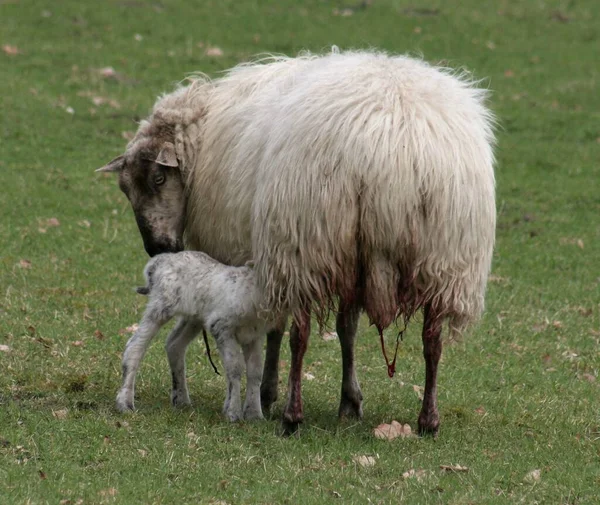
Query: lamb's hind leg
{"x":254,"y":371}
{"x":135,"y":349}
{"x":346,"y":326}
{"x":293,"y":414}
{"x":233,"y":362}
{"x":178,"y":340}
{"x":429,"y":419}
{"x":270,"y":379}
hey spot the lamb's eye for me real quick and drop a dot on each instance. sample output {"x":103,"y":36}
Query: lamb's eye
{"x":159,"y":179}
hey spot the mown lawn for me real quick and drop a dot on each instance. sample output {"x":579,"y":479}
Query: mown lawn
{"x":520,"y":393}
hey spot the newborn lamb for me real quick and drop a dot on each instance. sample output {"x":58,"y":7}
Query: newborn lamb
{"x":205,"y":294}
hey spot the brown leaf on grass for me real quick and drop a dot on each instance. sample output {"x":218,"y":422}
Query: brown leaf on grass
{"x":130,"y":329}
{"x":60,"y":414}
{"x":559,"y":16}
{"x":572,"y":241}
{"x":364,"y":461}
{"x":213,"y":51}
{"x":418,"y":390}
{"x":498,"y":279}
{"x":328,"y":336}
{"x":589,"y":377}
{"x":509,"y":73}
{"x":480,"y":410}
{"x":142,"y":452}
{"x":11,"y":50}
{"x":557,"y":324}
{"x":99,"y":335}
{"x":42,"y":474}
{"x":52,"y":222}
{"x":533,"y":476}
{"x":4,"y":348}
{"x":454,"y":468}
{"x":25,"y":263}
{"x":108,"y":492}
{"x":77,"y":343}
{"x":391,"y":431}
{"x":415,"y":474}
{"x":308,"y":376}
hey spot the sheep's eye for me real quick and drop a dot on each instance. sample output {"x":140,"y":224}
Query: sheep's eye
{"x":159,"y":179}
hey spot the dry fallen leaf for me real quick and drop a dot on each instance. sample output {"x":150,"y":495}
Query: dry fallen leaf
{"x":142,"y":452}
{"x":480,"y":410}
{"x":60,"y":414}
{"x":418,"y":390}
{"x":213,"y":51}
{"x":10,"y":50}
{"x":412,"y":473}
{"x":25,"y":263}
{"x":587,"y":376}
{"x":329,"y":335}
{"x":4,"y":348}
{"x":454,"y":468}
{"x":308,"y":376}
{"x":108,"y":492}
{"x":52,"y":222}
{"x":509,"y":73}
{"x":364,"y":461}
{"x":533,"y":476}
{"x":77,"y":343}
{"x":392,"y":431}
{"x":129,"y":329}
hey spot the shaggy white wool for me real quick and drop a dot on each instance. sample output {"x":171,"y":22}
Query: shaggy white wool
{"x":352,"y":174}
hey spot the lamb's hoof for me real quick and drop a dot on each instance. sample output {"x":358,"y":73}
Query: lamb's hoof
{"x":124,"y":401}
{"x":124,"y":406}
{"x":350,"y":409}
{"x":180,"y":400}
{"x":233,"y":417}
{"x":429,"y":423}
{"x":253,"y":415}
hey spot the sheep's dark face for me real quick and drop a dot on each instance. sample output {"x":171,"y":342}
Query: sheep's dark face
{"x":153,"y":184}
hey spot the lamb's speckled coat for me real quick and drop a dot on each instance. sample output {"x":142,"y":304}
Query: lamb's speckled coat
{"x":203,"y":294}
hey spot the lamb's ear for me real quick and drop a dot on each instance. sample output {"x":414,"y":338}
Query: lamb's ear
{"x":167,"y":156}
{"x":114,"y":165}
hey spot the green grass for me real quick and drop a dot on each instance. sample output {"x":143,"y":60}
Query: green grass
{"x":520,"y":393}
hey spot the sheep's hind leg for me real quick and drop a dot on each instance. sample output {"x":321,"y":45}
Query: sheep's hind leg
{"x":293,"y":414}
{"x":176,"y":346}
{"x":270,"y":378}
{"x":346,"y":326}
{"x":429,"y":419}
{"x":233,"y":363}
{"x":254,"y":371}
{"x":135,"y":350}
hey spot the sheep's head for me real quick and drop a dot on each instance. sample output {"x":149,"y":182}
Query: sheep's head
{"x":150,"y":176}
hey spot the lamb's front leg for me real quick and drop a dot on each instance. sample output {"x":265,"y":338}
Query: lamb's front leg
{"x":254,"y":371}
{"x":135,"y":349}
{"x":178,"y":340}
{"x":233,"y":362}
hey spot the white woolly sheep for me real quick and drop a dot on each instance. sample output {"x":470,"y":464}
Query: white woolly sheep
{"x":204,"y":294}
{"x":355,"y":180}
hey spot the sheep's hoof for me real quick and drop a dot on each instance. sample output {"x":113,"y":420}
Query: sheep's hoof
{"x":350,"y":409}
{"x":290,"y":424}
{"x":125,"y":406}
{"x":429,"y":423}
{"x":233,"y":416}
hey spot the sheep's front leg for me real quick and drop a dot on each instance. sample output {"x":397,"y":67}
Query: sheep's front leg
{"x":254,"y":371}
{"x":135,"y":349}
{"x":429,"y":419}
{"x":178,"y":340}
{"x":293,"y":414}
{"x":346,"y":326}
{"x":233,"y":363}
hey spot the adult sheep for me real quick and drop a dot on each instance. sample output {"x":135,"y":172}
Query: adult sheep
{"x":355,"y":181}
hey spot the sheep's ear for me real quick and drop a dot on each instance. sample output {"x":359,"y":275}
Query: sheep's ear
{"x":114,"y":165}
{"x":167,"y":156}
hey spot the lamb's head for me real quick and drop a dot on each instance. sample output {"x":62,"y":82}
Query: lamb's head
{"x":150,"y":176}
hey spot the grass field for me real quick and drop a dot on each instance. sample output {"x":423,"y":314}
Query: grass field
{"x":520,"y":393}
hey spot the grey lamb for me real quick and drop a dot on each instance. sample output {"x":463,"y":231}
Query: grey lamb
{"x":204,"y":294}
